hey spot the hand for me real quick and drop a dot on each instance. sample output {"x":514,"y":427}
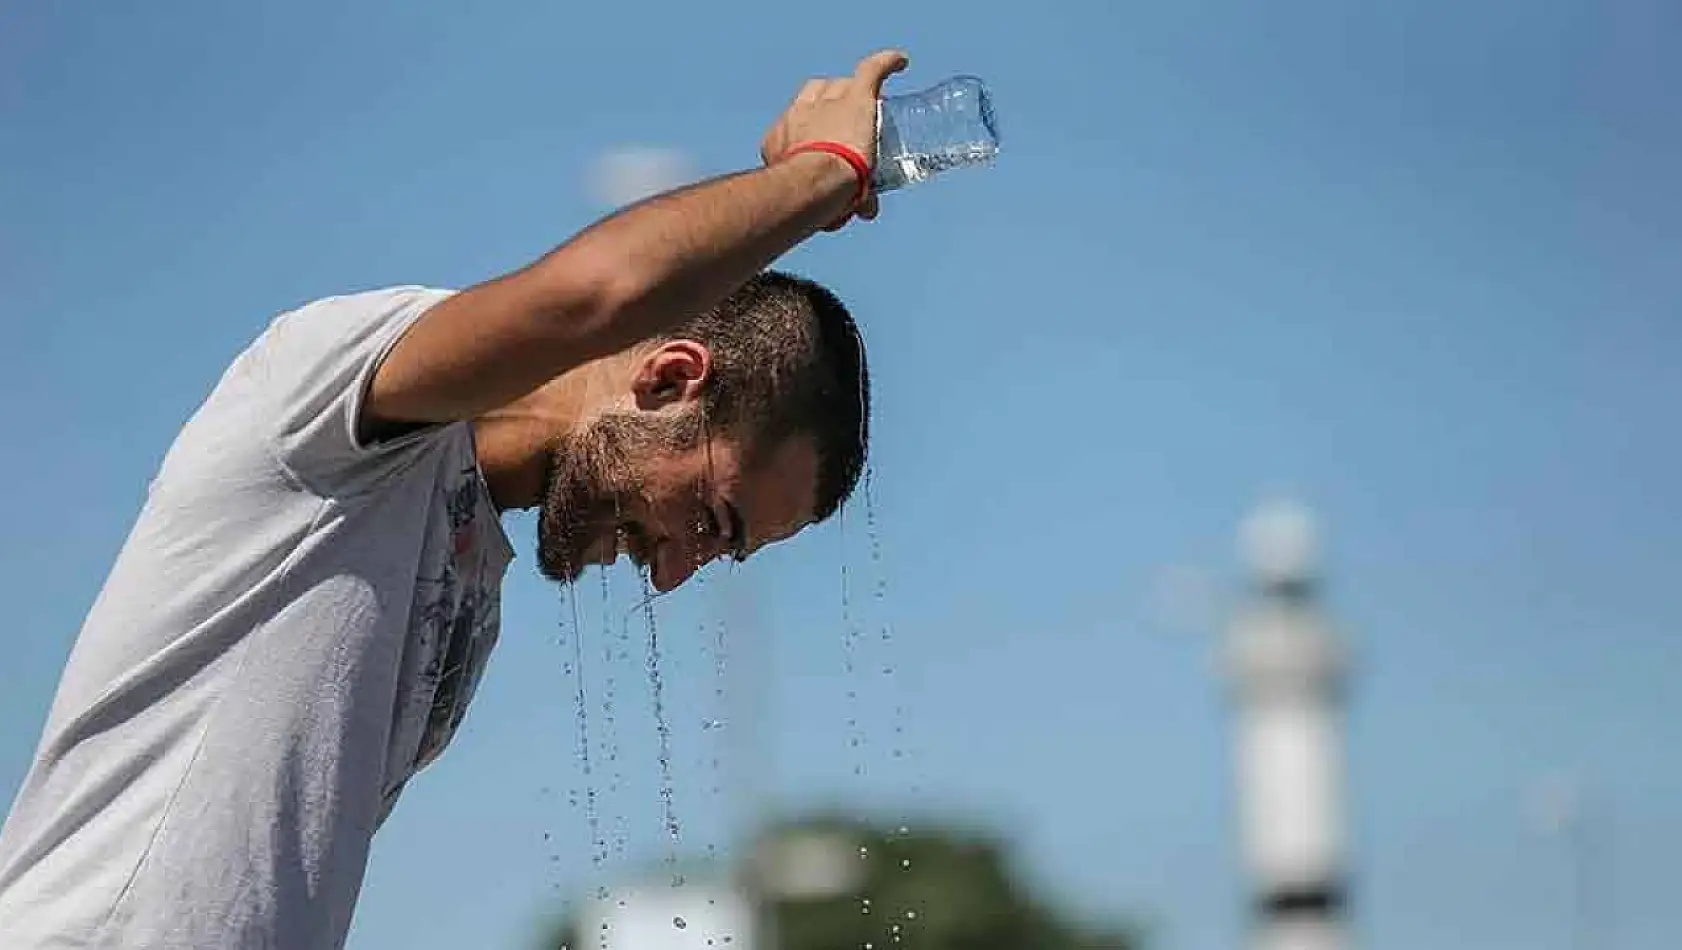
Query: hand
{"x":837,"y":110}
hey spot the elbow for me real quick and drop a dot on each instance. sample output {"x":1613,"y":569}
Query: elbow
{"x":593,"y":297}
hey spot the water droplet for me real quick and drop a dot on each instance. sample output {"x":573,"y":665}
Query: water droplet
{"x":598,"y":847}
{"x":662,"y":724}
{"x":609,"y":743}
{"x":718,"y":720}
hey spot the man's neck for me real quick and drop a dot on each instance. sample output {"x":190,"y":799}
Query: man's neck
{"x":514,"y":443}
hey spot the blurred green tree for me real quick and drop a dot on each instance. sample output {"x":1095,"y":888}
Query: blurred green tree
{"x":929,"y":888}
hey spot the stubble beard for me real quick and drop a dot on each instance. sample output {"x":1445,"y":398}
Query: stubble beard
{"x":593,"y":476}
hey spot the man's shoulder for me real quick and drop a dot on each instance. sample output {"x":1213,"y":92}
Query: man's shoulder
{"x":376,"y":299}
{"x":320,"y":325}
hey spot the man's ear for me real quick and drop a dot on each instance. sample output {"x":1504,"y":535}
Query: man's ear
{"x":669,"y":373}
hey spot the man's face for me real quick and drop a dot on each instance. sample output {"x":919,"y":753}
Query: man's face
{"x":648,"y":485}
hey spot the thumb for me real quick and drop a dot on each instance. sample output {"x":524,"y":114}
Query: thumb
{"x":875,"y":69}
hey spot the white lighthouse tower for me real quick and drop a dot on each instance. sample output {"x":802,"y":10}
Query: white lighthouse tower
{"x":1287,"y":667}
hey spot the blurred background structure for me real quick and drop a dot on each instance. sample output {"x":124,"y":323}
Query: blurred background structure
{"x":1414,"y":261}
{"x":1288,"y":672}
{"x":828,"y":883}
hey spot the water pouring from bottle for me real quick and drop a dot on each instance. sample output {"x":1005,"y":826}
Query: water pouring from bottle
{"x":922,"y":134}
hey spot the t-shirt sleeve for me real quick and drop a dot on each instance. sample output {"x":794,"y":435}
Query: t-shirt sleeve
{"x":317,"y":365}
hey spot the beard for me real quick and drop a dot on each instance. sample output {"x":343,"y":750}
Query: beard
{"x":595,"y":478}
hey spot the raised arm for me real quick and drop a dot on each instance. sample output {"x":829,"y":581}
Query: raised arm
{"x":636,"y":273}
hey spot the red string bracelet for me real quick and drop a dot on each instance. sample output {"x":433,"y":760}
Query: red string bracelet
{"x":861,"y":168}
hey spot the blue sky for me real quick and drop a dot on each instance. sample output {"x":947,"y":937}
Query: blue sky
{"x":1416,"y":263}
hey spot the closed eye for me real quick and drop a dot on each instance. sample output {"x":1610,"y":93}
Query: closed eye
{"x":737,"y":539}
{"x":728,"y":529}
{"x":724,"y":529}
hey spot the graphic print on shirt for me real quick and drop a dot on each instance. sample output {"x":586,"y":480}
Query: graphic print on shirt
{"x":456,"y":618}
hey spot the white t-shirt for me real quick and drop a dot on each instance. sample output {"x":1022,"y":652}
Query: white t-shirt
{"x":293,"y":628}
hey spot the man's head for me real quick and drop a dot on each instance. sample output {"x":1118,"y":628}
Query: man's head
{"x":736,"y":430}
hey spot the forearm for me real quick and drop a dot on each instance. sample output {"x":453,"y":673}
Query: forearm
{"x":680,"y":253}
{"x":631,"y":276}
{"x":638,"y":273}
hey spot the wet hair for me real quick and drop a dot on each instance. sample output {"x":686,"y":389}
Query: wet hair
{"x":787,"y":362}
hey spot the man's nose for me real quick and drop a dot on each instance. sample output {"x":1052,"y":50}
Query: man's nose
{"x":666,"y":580}
{"x":680,"y":565}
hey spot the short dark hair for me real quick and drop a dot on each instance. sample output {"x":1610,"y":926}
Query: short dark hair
{"x":787,"y":361}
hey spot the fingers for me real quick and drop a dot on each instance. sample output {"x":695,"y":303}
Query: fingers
{"x":866,"y":211}
{"x":871,"y":72}
{"x":875,"y":69}
{"x":839,"y":109}
{"x":812,"y":91}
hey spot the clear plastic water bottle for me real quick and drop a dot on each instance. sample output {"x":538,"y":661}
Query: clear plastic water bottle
{"x":921,"y":134}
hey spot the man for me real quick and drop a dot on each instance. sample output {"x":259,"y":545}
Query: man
{"x":300,"y":616}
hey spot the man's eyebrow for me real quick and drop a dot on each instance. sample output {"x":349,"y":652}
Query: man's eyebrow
{"x":738,"y":531}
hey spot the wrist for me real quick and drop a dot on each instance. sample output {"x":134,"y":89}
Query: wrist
{"x":835,"y":168}
{"x":829,"y":173}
